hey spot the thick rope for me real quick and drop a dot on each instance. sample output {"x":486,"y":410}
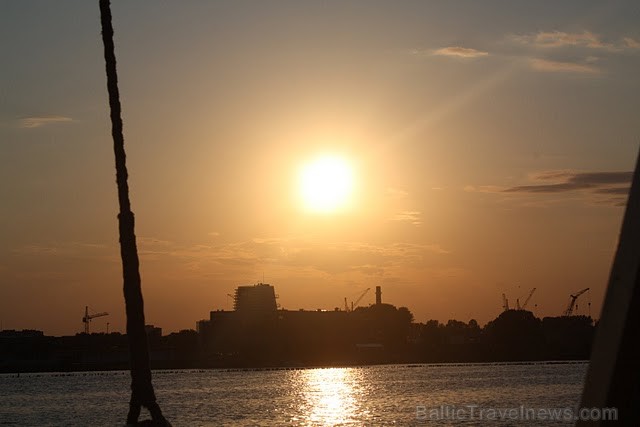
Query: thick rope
{"x":142,"y":393}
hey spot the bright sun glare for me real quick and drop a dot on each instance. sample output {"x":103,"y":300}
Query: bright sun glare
{"x":326,"y":184}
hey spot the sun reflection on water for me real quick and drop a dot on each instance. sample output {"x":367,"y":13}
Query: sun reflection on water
{"x":331,"y":396}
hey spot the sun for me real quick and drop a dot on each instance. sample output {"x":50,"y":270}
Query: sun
{"x":326,"y":184}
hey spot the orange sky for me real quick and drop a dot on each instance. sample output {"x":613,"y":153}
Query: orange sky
{"x":490,"y":155}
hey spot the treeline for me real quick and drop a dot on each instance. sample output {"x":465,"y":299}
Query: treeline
{"x":515,"y":335}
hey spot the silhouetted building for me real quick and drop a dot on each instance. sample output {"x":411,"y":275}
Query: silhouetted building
{"x":153,"y":331}
{"x":202,"y":326}
{"x":154,"y":334}
{"x":257,"y":333}
{"x":256,"y":299}
{"x":25,"y":333}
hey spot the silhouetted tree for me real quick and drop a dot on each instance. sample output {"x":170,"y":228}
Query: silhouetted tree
{"x":405,"y":315}
{"x":473,"y":331}
{"x":514,"y":335}
{"x":384,"y":323}
{"x":568,"y":337}
{"x":432,"y":337}
{"x":142,"y":393}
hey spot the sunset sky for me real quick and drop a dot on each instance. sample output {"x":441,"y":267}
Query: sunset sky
{"x":489,"y":147}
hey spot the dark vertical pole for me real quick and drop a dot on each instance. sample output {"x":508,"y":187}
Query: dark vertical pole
{"x":613,"y":378}
{"x":142,"y":393}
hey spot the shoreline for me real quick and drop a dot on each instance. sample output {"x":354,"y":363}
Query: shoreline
{"x":125,"y":370}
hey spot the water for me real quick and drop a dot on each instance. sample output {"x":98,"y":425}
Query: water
{"x":361,"y":396}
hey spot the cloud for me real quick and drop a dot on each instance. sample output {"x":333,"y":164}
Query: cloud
{"x":149,"y":241}
{"x":354,"y":256}
{"x":550,"y":39}
{"x":562,"y":67}
{"x":39,"y":121}
{"x":451,"y":272}
{"x":585,"y":40}
{"x":436,"y":249}
{"x":64,"y":249}
{"x":460,"y":52}
{"x":483,"y":189}
{"x":564,"y":181}
{"x":37,"y":249}
{"x":412,"y":217}
{"x":618,"y":191}
{"x":631,"y":43}
{"x":297,"y":255}
{"x":576,"y":50}
{"x":596,"y":188}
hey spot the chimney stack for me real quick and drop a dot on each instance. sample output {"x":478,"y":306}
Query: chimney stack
{"x":378,"y":295}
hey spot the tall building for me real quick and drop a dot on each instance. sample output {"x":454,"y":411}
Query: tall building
{"x":255,"y":299}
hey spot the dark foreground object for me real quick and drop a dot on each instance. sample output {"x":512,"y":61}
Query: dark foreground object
{"x":142,"y":393}
{"x":613,"y":378}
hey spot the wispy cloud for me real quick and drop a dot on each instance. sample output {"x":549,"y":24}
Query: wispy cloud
{"x":586,"y":40}
{"x":412,"y":217}
{"x":64,"y":249}
{"x":562,"y":67}
{"x":563,"y":181}
{"x":39,"y":121}
{"x":460,"y":52}
{"x":551,"y":39}
{"x":560,"y":51}
{"x":558,"y":186}
{"x":143,"y":240}
{"x":631,"y":43}
{"x":295,"y":255}
{"x":37,"y":249}
{"x":483,"y":188}
{"x":618,"y":191}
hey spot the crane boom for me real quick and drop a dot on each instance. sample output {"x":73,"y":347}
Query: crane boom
{"x":572,"y":302}
{"x":93,"y":316}
{"x":581,"y":292}
{"x":86,"y":319}
{"x":355,"y":303}
{"x":528,"y":298}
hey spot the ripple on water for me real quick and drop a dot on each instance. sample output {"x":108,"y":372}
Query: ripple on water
{"x":375,"y":395}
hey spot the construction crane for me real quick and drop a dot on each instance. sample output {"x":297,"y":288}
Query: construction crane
{"x":505,"y":302}
{"x":354,"y":304}
{"x":526,"y":301}
{"x":572,"y":302}
{"x":528,"y":298}
{"x":88,"y":317}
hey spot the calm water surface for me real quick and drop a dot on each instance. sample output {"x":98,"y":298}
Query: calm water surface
{"x":398,"y":395}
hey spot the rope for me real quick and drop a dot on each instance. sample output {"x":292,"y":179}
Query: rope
{"x":142,"y":393}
